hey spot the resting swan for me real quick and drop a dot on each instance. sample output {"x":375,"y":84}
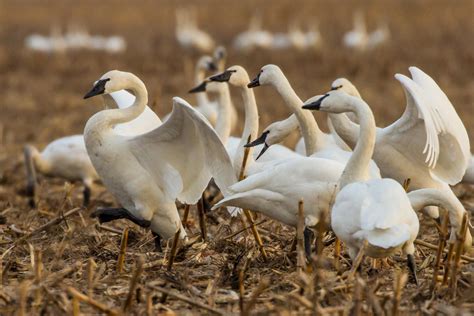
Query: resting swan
{"x":317,"y":143}
{"x":67,"y":157}
{"x":428,"y":143}
{"x":148,"y":172}
{"x":376,"y":210}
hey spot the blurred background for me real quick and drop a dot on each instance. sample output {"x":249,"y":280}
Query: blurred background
{"x":42,"y":89}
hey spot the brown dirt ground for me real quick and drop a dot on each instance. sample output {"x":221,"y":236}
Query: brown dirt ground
{"x":42,"y":100}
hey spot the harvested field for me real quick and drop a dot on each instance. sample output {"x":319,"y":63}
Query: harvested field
{"x":56,"y":260}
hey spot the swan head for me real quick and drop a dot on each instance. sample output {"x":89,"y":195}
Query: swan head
{"x":334,"y":102}
{"x":275,"y":133}
{"x":206,"y":63}
{"x":342,"y":84}
{"x":208,"y":86}
{"x":112,"y":81}
{"x":220,"y":55}
{"x":235,"y":75}
{"x":267,"y":75}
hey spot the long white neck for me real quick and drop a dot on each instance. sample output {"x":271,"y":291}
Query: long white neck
{"x":199,"y":77}
{"x":345,"y":128}
{"x":112,"y":117}
{"x":309,"y":128}
{"x":442,"y":198}
{"x":223,"y":124}
{"x":250,"y":126}
{"x":357,"y":168}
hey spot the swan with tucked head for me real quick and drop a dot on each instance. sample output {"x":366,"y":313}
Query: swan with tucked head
{"x":148,"y":172}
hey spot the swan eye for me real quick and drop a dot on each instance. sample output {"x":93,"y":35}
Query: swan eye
{"x":336,"y":88}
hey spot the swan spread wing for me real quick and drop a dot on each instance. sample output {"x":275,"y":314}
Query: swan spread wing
{"x":183,"y":154}
{"x":429,"y":130}
{"x":145,"y":122}
{"x":454,"y":145}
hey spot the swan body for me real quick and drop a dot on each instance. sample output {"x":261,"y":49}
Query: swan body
{"x":428,"y":143}
{"x":275,"y":191}
{"x":145,"y":172}
{"x":374,"y":210}
{"x":188,"y":33}
{"x":65,"y":158}
{"x":357,"y":38}
{"x":253,"y":37}
{"x":75,"y":38}
{"x":378,"y":211}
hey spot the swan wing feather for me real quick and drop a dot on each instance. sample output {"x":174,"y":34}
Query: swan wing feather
{"x":187,"y":144}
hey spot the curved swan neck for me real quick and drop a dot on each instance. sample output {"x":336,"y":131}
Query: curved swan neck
{"x":250,"y":125}
{"x":433,"y":197}
{"x":117,"y":116}
{"x":345,"y":128}
{"x":309,"y":128}
{"x":357,"y":168}
{"x":223,"y":124}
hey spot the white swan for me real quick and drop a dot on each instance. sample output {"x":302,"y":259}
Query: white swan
{"x":428,"y":143}
{"x":238,"y":77}
{"x":188,"y":33}
{"x":377,"y":210}
{"x":148,"y":172}
{"x":318,"y":144}
{"x":357,"y":38}
{"x":253,"y":37}
{"x":469,"y":175}
{"x":67,"y":157}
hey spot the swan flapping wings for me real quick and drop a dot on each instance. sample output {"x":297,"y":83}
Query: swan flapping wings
{"x":185,"y":133}
{"x":430,"y":129}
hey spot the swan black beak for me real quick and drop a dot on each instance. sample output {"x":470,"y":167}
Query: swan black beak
{"x":258,"y":141}
{"x":255,"y":82}
{"x":316,"y":105}
{"x":98,"y":88}
{"x":222,"y":77}
{"x":412,"y":266}
{"x":211,"y":66}
{"x":199,"y":88}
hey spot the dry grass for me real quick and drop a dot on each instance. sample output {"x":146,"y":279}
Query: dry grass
{"x":72,"y":265}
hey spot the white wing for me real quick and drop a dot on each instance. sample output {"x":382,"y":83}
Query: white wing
{"x":420,"y":130}
{"x":454,"y":147}
{"x":183,"y":154}
{"x":145,"y":122}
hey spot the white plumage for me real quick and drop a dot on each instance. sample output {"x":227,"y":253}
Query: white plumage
{"x":428,"y":143}
{"x":378,"y":211}
{"x":148,"y":172}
